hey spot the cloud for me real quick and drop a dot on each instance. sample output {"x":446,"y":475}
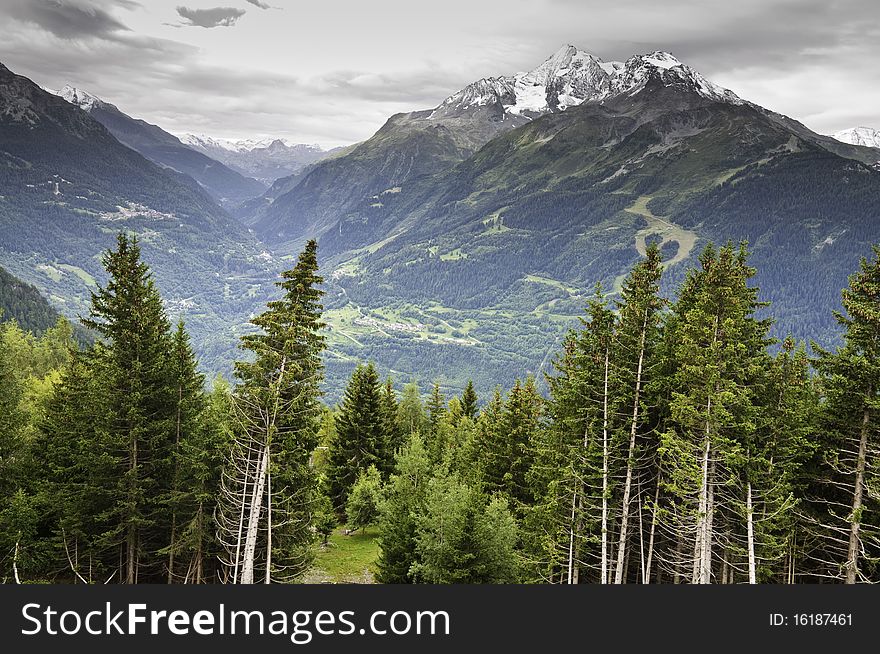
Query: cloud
{"x":261,"y":5}
{"x":346,"y":72}
{"x":71,"y":19}
{"x":214,"y":17}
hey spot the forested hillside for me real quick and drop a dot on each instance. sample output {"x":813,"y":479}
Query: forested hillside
{"x":676,"y":445}
{"x":24,"y":304}
{"x":67,"y":187}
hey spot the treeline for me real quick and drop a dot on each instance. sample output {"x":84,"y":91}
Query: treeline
{"x":678,"y":444}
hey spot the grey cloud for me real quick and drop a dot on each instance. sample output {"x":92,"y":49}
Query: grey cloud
{"x":214,"y":17}
{"x":70,"y":19}
{"x":812,"y":60}
{"x":261,"y":5}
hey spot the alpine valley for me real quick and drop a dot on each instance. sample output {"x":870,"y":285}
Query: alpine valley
{"x":457,"y":242}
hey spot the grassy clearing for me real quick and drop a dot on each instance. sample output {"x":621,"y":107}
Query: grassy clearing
{"x":87,"y":279}
{"x":346,"y":559}
{"x":665,"y":230}
{"x":538,"y":279}
{"x":51,"y":272}
{"x":454,"y":255}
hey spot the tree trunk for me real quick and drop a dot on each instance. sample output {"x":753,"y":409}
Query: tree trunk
{"x":703,"y":507}
{"x":268,"y":579}
{"x":706,"y":568}
{"x":653,"y":531}
{"x":630,"y":463}
{"x":256,"y":505}
{"x":852,"y":562}
{"x":605,"y":572}
{"x":244,"y":494}
{"x":750,"y":531}
{"x":199,"y":553}
{"x":131,"y":532}
{"x":175,"y":487}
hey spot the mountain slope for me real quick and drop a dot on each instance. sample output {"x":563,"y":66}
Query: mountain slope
{"x":23,"y":303}
{"x":67,"y":187}
{"x":480,"y":267}
{"x":424,"y":143}
{"x":227,"y":186}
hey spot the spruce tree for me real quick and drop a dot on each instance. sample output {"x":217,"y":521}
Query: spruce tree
{"x":720,"y":353}
{"x":848,"y":508}
{"x":394,"y":435}
{"x":463,"y":536}
{"x":567,"y":534}
{"x":403,"y":503}
{"x":269,"y":485}
{"x":635,"y":338}
{"x":132,"y":366}
{"x":469,"y":401}
{"x":361,"y":437}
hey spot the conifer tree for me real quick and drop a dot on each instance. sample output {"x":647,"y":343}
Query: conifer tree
{"x":469,"y":401}
{"x":403,"y":503}
{"x":849,"y":505}
{"x":132,"y":366}
{"x":720,"y":353}
{"x":394,"y":435}
{"x":269,"y":487}
{"x":361,"y":436}
{"x":464,"y":536}
{"x":189,"y":421}
{"x":635,"y":339}
{"x":437,"y":435}
{"x":573,"y":459}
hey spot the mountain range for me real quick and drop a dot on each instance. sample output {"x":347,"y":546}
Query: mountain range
{"x":263,"y":159}
{"x":464,"y":240}
{"x":68,"y":186}
{"x":228,"y":187}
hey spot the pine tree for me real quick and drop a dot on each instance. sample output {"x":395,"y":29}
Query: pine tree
{"x":849,"y":505}
{"x":469,"y":401}
{"x":720,"y":354}
{"x":635,"y":339}
{"x":133,"y":369}
{"x":269,"y":487}
{"x":403,"y":502}
{"x":361,"y":437}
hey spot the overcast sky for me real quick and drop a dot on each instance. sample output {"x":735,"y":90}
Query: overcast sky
{"x":331,"y":72}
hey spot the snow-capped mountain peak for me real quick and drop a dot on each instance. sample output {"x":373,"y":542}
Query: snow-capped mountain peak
{"x":570,"y":77}
{"x":661,"y":59}
{"x":80,"y":98}
{"x":241,"y":145}
{"x":867,"y":136}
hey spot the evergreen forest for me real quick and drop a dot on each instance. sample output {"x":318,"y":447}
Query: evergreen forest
{"x":678,"y":443}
